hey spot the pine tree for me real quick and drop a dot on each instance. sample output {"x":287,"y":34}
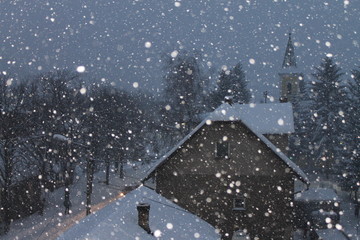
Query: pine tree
{"x":351,"y":172}
{"x":354,"y":110}
{"x":232,"y":83}
{"x":183,"y":94}
{"x":300,"y":142}
{"x":328,"y":111}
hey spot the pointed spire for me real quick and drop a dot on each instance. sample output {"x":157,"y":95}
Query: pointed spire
{"x":289,"y":58}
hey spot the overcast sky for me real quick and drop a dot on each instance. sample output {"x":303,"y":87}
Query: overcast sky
{"x":122,"y":41}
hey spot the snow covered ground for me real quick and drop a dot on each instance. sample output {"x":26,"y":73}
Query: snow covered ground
{"x":53,"y":222}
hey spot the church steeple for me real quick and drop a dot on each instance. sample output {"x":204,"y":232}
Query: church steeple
{"x":291,"y":80}
{"x":289,"y":58}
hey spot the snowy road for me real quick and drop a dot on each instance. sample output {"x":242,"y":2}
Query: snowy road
{"x":53,"y":222}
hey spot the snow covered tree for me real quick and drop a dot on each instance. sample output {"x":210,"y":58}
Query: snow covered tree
{"x":300,"y":142}
{"x":327,"y":93}
{"x":115,"y":125}
{"x":57,"y":106}
{"x":14,"y":125}
{"x":231,"y":82}
{"x":183,"y":93}
{"x":351,"y":172}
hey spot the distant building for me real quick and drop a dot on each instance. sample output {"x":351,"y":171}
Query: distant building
{"x":290,"y":77}
{"x":228,"y":173}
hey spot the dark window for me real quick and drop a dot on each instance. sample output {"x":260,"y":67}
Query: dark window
{"x":222,"y":150}
{"x":239,"y":203}
{"x":289,"y":88}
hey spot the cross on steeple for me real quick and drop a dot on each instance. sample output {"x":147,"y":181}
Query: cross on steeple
{"x":289,"y":58}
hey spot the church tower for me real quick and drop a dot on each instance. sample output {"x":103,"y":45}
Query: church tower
{"x":290,"y":78}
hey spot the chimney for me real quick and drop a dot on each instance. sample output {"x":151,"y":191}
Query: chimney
{"x":143,"y":216}
{"x":229,"y":100}
{"x":283,"y":99}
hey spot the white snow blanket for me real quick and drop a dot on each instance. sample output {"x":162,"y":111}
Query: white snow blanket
{"x":266,"y":118}
{"x":119,"y":220}
{"x":317,"y":194}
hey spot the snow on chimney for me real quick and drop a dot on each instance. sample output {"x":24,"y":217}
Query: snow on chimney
{"x":143,"y":216}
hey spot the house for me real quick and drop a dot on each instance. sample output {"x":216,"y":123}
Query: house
{"x":273,"y":120}
{"x":333,"y":234}
{"x":229,"y":174}
{"x":125,"y":219}
{"x":319,"y":208}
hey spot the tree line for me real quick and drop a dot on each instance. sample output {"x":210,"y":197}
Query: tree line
{"x":95,"y":119}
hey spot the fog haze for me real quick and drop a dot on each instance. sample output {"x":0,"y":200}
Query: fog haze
{"x":123,"y":41}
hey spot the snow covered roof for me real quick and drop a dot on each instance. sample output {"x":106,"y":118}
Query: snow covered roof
{"x":119,"y":220}
{"x":295,"y":168}
{"x":265,"y":118}
{"x":317,"y":194}
{"x":333,"y":234}
{"x":282,"y":123}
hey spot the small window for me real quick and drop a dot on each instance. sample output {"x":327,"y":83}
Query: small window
{"x":222,"y":150}
{"x":289,"y":88}
{"x":239,"y":203}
